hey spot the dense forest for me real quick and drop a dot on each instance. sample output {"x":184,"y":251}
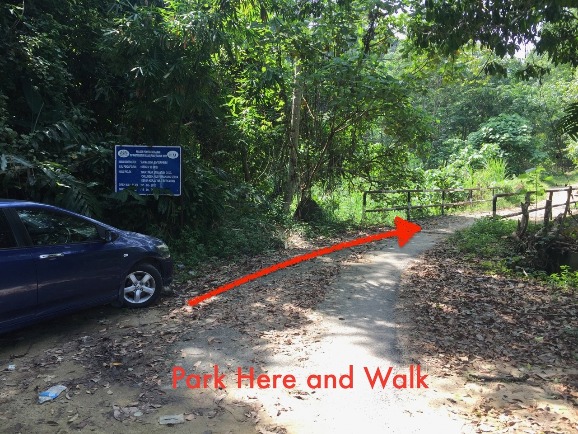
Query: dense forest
{"x":284,"y":108}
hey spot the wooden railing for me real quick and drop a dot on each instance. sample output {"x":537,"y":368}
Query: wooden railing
{"x":442,"y":205}
{"x":548,"y":207}
{"x":471,"y":199}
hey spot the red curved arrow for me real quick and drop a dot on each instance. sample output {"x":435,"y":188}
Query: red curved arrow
{"x":404,"y":231}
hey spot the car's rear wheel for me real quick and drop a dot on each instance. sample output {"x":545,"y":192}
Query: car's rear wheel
{"x":142,"y":286}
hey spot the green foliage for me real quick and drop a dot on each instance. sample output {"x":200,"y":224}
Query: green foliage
{"x":247,"y":227}
{"x":462,"y":99}
{"x":495,"y":172}
{"x":490,"y":241}
{"x":512,"y":135}
{"x":58,"y":182}
{"x":534,"y":179}
{"x":572,"y":150}
{"x":48,"y":129}
{"x":475,"y":158}
{"x":487,"y":238}
{"x":566,"y":279}
{"x":503,"y":26}
{"x":569,"y":123}
{"x":234,"y":237}
{"x":218,"y":78}
{"x":563,"y":178}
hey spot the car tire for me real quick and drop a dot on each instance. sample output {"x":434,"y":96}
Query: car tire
{"x":142,"y":286}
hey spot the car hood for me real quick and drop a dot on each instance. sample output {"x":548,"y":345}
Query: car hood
{"x":139,"y":239}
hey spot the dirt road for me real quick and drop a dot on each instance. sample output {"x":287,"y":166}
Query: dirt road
{"x":351,"y":330}
{"x":356,"y":330}
{"x":330,"y":318}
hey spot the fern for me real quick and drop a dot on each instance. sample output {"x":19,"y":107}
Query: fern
{"x":48,"y":182}
{"x":70,"y":192}
{"x":569,"y":123}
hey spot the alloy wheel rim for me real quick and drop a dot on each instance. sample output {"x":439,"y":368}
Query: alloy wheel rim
{"x":139,"y":287}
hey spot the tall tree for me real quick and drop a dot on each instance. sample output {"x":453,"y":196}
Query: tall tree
{"x":504,"y":26}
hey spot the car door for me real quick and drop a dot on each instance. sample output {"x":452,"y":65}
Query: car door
{"x":18,"y":289}
{"x":75,"y":267}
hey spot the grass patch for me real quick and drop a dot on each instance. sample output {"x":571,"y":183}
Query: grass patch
{"x":489,"y":242}
{"x":568,"y":178}
{"x":488,"y":238}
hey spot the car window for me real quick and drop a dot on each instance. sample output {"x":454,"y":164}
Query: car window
{"x":6,"y":236}
{"x":51,"y":228}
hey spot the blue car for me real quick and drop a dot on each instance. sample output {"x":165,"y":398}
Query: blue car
{"x":54,"y":261}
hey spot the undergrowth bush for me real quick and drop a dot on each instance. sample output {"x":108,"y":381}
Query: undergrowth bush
{"x":236,"y":235}
{"x":566,"y":279}
{"x":486,"y":238}
{"x":489,"y":240}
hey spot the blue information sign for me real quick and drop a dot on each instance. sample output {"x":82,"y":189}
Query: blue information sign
{"x":147,"y":168}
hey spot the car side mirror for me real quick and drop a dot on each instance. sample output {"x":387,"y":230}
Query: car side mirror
{"x":110,"y":236}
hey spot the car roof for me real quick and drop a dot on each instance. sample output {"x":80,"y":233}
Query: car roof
{"x":13,"y":203}
{"x":8,"y":202}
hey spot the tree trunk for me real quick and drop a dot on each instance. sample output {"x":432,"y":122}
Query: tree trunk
{"x":245,"y":162}
{"x":292,"y":180}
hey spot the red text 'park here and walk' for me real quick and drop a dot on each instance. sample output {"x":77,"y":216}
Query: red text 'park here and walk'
{"x":375,"y":377}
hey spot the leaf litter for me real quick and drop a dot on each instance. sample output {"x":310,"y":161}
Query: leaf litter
{"x":117,"y":366}
{"x":502,"y":340}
